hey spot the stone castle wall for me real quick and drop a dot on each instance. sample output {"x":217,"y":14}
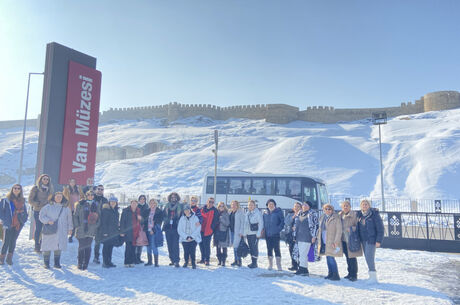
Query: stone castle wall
{"x":273,"y":113}
{"x":281,"y":113}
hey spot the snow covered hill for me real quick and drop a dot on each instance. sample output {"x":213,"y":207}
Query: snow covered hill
{"x":421,"y":154}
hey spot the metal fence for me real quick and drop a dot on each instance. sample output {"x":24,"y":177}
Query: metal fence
{"x":402,"y":204}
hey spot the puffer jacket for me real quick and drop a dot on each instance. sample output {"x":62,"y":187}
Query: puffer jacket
{"x":110,"y":224}
{"x":370,"y":227}
{"x":6,"y":214}
{"x":188,"y":227}
{"x":273,"y":222}
{"x":81,"y":224}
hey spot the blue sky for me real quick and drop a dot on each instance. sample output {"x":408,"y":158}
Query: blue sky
{"x":344,"y":54}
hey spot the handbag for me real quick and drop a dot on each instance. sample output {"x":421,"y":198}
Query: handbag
{"x":243,"y":249}
{"x":354,"y":242}
{"x":158,"y":236}
{"x":254,"y":226}
{"x":51,"y":229}
{"x":220,"y":235}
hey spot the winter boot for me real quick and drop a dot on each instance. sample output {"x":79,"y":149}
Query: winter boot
{"x":278,"y":263}
{"x":335,"y":277}
{"x":253,"y":264}
{"x":46,"y":260}
{"x":9,"y":259}
{"x":270,"y":263}
{"x":2,"y":259}
{"x":239,"y":262}
{"x":300,"y":271}
{"x":155,"y":256}
{"x":372,"y":277}
{"x":149,"y":258}
{"x":235,"y":263}
{"x":329,"y":275}
{"x":219,"y":259}
{"x":57,"y":261}
{"x":294,"y":266}
{"x":223,"y":259}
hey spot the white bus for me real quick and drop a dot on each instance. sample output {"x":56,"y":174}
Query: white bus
{"x":284,"y":189}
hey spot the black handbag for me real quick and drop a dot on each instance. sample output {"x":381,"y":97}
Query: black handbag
{"x":51,"y":229}
{"x":118,"y":241}
{"x":354,"y":242}
{"x":243,"y":249}
{"x":254,"y":226}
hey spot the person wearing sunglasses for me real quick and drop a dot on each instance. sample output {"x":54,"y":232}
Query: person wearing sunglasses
{"x":39,"y":196}
{"x":210,"y":221}
{"x":13,"y":216}
{"x":330,"y":240}
{"x":72,"y":193}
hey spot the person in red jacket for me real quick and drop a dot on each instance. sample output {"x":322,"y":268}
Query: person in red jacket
{"x":208,"y":225}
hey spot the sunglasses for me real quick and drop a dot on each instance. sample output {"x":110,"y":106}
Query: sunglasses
{"x":193,"y":200}
{"x":328,"y":209}
{"x":16,"y":188}
{"x":211,"y":201}
{"x":44,"y":178}
{"x":99,"y":189}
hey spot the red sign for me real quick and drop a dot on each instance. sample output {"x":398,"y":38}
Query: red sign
{"x":79,"y":141}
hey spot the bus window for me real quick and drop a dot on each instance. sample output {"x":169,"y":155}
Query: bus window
{"x":263,"y":186}
{"x":294,"y":189}
{"x":221,"y":185}
{"x":309,"y":194}
{"x":240,"y":186}
{"x":323,"y":194}
{"x":270,"y":186}
{"x":281,"y":186}
{"x":258,"y":187}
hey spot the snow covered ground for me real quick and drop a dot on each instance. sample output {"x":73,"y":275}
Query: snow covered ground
{"x":421,"y":154}
{"x":406,"y":277}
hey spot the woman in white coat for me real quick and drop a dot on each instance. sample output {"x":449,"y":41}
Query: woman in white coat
{"x":253,"y":226}
{"x":189,"y":230}
{"x":236,"y":229}
{"x":55,"y":211}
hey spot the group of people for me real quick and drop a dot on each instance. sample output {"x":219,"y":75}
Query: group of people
{"x":83,"y":212}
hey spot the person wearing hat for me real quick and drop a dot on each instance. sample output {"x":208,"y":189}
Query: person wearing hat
{"x":189,"y":232}
{"x":305,"y":226}
{"x":110,"y":230}
{"x":273,"y":225}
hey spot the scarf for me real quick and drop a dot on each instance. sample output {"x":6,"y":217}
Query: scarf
{"x":86,"y":209}
{"x":18,"y":208}
{"x":365,"y":217}
{"x":136,"y":225}
{"x":151,"y":215}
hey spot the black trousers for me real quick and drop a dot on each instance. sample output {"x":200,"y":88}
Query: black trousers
{"x":9,"y":242}
{"x":172,"y":239}
{"x":273,"y":244}
{"x":130,"y":253}
{"x":221,"y":253}
{"x":253,"y":243}
{"x":189,"y":251}
{"x":107,"y":250}
{"x":84,"y":250}
{"x":206,"y":247}
{"x":352,"y":263}
{"x":97,"y":248}
{"x":38,"y":229}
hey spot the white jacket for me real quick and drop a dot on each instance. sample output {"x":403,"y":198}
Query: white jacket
{"x":188,"y":227}
{"x":253,"y":217}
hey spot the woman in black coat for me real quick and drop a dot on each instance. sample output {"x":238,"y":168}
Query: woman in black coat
{"x":130,"y":226}
{"x":152,"y":226}
{"x":110,"y":230}
{"x":371,"y":230}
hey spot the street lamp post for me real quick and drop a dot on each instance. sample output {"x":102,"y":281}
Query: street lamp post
{"x":216,"y":141}
{"x":380,"y":118}
{"x":25,"y":124}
